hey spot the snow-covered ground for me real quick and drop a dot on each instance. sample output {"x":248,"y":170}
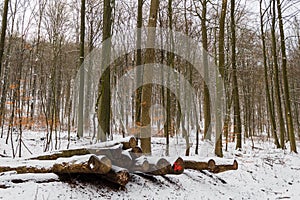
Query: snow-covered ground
{"x":264,"y":173}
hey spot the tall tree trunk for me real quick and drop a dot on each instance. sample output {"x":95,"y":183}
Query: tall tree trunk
{"x":2,"y":45}
{"x":276,"y":78}
{"x":236,"y":100}
{"x":3,"y":31}
{"x":148,"y":72}
{"x":218,"y":146}
{"x":289,"y":118}
{"x":104,"y":98}
{"x":170,"y":56}
{"x":139,"y":74}
{"x":206,"y":103}
{"x":269,"y":103}
{"x":81,"y":71}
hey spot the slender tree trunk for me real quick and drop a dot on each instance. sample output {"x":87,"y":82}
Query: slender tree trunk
{"x":206,"y":103}
{"x":289,"y":117}
{"x":148,"y":72}
{"x":236,"y":100}
{"x":3,"y":32}
{"x":218,"y":147}
{"x":276,"y":78}
{"x":81,"y":71}
{"x":139,"y":74}
{"x":269,"y":103}
{"x":170,"y":56}
{"x":2,"y":46}
{"x":104,"y":98}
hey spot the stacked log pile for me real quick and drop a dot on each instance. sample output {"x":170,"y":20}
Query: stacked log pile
{"x":113,"y":163}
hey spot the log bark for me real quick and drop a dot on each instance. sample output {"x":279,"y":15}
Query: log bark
{"x":196,"y":165}
{"x":124,"y":160}
{"x":140,"y":164}
{"x":223,"y":168}
{"x":100,"y":164}
{"x":210,"y":166}
{"x":117,"y":175}
{"x":110,"y":152}
{"x":75,"y":164}
{"x":25,"y":169}
{"x":136,"y":152}
{"x":94,"y":165}
{"x":159,"y":166}
{"x":131,"y":143}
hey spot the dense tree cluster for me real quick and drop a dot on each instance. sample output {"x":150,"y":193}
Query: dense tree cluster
{"x":43,"y":45}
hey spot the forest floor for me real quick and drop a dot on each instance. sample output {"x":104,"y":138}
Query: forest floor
{"x":264,"y":173}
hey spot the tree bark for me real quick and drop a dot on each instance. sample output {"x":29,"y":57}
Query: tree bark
{"x":148,"y":72}
{"x":269,"y":103}
{"x":139,"y":74}
{"x":289,"y":117}
{"x":94,"y":165}
{"x":206,"y":103}
{"x":104,"y":94}
{"x":3,"y":32}
{"x":276,"y":78}
{"x":81,"y":72}
{"x":236,"y":100}
{"x":218,"y":145}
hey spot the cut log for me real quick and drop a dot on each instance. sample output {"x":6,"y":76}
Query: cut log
{"x":111,"y":152}
{"x":25,"y":169}
{"x":223,"y":168}
{"x":94,"y":165}
{"x":211,"y":166}
{"x":135,"y":152}
{"x":159,"y":166}
{"x":177,"y":167}
{"x":196,"y":165}
{"x":75,"y":164}
{"x":62,"y":154}
{"x":140,"y":164}
{"x":128,"y":144}
{"x":100,"y":164}
{"x":117,"y":175}
{"x":124,"y":160}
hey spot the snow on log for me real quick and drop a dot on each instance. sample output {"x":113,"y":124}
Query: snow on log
{"x":100,"y":164}
{"x":74,"y":164}
{"x":111,"y":152}
{"x":91,"y":164}
{"x":124,"y":160}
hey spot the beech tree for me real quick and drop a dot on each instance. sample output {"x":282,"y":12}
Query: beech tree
{"x":148,"y":71}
